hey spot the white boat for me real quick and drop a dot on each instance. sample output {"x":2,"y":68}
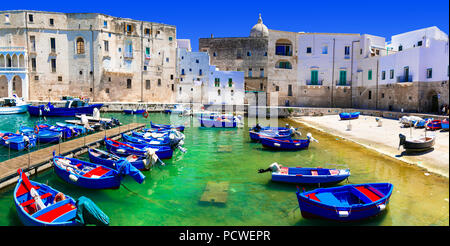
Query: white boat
{"x":13,"y":105}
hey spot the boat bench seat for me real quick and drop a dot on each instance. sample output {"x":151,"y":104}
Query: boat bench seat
{"x":52,"y":215}
{"x":31,"y":201}
{"x":369,"y":192}
{"x":98,"y":171}
{"x":330,"y":199}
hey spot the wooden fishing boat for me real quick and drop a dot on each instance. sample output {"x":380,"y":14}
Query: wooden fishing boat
{"x":434,"y":125}
{"x":92,"y":175}
{"x":417,"y":144}
{"x":14,"y":105}
{"x":349,"y":116}
{"x":43,"y":136}
{"x":17,"y":141}
{"x":345,"y":203}
{"x":141,"y":150}
{"x":134,"y":111}
{"x":156,"y":142}
{"x":178,"y":127}
{"x":286,"y":144}
{"x":41,"y":205}
{"x":217,"y":123}
{"x":109,"y":159}
{"x":306,"y":175}
{"x":272,"y":132}
{"x":65,"y":132}
{"x":444,"y":125}
{"x":71,"y":108}
{"x":174,"y":138}
{"x":79,"y":129}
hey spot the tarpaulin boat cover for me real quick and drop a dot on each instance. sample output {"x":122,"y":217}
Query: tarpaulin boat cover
{"x":89,"y":213}
{"x":124,"y":167}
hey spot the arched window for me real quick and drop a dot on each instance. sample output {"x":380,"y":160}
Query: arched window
{"x":80,"y":46}
{"x":283,"y":47}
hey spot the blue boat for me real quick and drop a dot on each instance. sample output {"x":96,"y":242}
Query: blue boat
{"x":134,"y":111}
{"x":65,"y":132}
{"x":151,"y":141}
{"x":79,"y":129}
{"x":159,"y":126}
{"x":420,"y":123}
{"x":444,"y":125}
{"x":17,"y":141}
{"x":306,"y":175}
{"x":72,"y":108}
{"x":217,"y":123}
{"x":151,"y":134}
{"x":14,"y":105}
{"x":94,"y":176}
{"x":41,"y":205}
{"x":43,"y":136}
{"x":141,"y":150}
{"x":284,"y":144}
{"x":434,"y":125}
{"x":272,"y":132}
{"x":109,"y":159}
{"x":349,"y":116}
{"x":345,"y":203}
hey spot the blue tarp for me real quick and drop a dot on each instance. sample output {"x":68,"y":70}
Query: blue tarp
{"x":124,"y":167}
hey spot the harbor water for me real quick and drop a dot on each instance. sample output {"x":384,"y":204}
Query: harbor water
{"x":171,"y":194}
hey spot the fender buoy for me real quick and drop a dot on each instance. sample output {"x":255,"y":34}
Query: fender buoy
{"x":36,"y":129}
{"x":145,"y":114}
{"x":5,"y":138}
{"x":59,"y":197}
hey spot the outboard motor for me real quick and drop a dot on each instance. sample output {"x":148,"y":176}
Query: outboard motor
{"x":402,"y":140}
{"x":89,"y":213}
{"x":310,"y":137}
{"x":274,"y":167}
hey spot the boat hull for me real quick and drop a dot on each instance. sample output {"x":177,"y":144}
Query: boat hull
{"x":299,"y":175}
{"x":424,"y":144}
{"x":217,"y":124}
{"x":63,"y":112}
{"x":349,"y":116}
{"x":163,"y":152}
{"x":16,"y":141}
{"x":137,"y":162}
{"x":284,"y":144}
{"x":162,"y":126}
{"x":14,"y":110}
{"x":444,"y":125}
{"x":333,"y":203}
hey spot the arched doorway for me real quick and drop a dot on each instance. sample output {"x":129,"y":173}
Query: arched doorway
{"x":17,"y":86}
{"x":433,"y":102}
{"x":3,"y":86}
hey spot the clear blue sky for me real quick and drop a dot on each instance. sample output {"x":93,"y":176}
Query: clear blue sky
{"x":232,"y":18}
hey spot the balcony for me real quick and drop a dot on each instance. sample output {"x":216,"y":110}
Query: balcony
{"x":128,"y":55}
{"x":317,"y":82}
{"x":402,"y":79}
{"x":12,"y":69}
{"x":342,"y":83}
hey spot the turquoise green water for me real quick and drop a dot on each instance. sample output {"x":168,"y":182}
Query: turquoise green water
{"x":170,"y":195}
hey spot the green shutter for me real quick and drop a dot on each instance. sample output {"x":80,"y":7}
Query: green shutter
{"x":343,"y":77}
{"x":370,"y":75}
{"x":314,"y":77}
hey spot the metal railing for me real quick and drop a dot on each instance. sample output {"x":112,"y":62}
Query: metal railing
{"x":317,"y":82}
{"x":343,"y":83}
{"x":404,"y":78}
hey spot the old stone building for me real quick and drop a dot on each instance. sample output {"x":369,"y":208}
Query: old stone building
{"x":101,"y":57}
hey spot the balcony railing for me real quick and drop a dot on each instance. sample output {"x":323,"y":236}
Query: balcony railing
{"x":11,"y":69}
{"x":404,"y":78}
{"x":343,"y":83}
{"x":317,"y":82}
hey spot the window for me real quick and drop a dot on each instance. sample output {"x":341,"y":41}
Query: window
{"x":360,"y":51}
{"x":107,"y":90}
{"x":217,"y":82}
{"x":347,"y":50}
{"x":129,"y":29}
{"x":261,"y":86}
{"x":170,"y":38}
{"x":159,"y":82}
{"x":342,"y":77}
{"x":199,"y":72}
{"x":52,"y":44}
{"x":214,"y":54}
{"x":30,"y":18}
{"x":314,"y":77}
{"x":145,"y":68}
{"x":230,"y":82}
{"x":36,"y":77}
{"x":167,"y":59}
{"x":400,"y":48}
{"x":33,"y":43}
{"x":419,"y":43}
{"x":105,"y":24}
{"x":218,"y":92}
{"x":53,"y":62}
{"x":147,"y":52}
{"x":391,"y":74}
{"x":261,"y":72}
{"x":182,"y":71}
{"x":128,"y":83}
{"x":52,"y":22}
{"x":147,"y":31}
{"x":383,"y":75}
{"x":308,"y":50}
{"x":128,"y":49}
{"x":369,"y":74}
{"x":81,"y":72}
{"x":33,"y":64}
{"x":277,"y":88}
{"x":249,"y":53}
{"x":289,"y":90}
{"x":370,"y":95}
{"x":196,"y":61}
{"x":250,"y":72}
{"x":109,"y":79}
{"x":106,"y":43}
{"x":171,"y":76}
{"x":173,"y":87}
{"x":283,"y":49}
{"x":325,"y":49}
{"x":59,"y":78}
{"x":80,"y":46}
{"x":147,"y":84}
{"x":6,"y":18}
{"x":265,"y":53}
{"x":429,"y":73}
{"x":284,"y":65}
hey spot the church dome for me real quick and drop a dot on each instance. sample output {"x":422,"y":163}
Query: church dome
{"x":259,"y":30}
